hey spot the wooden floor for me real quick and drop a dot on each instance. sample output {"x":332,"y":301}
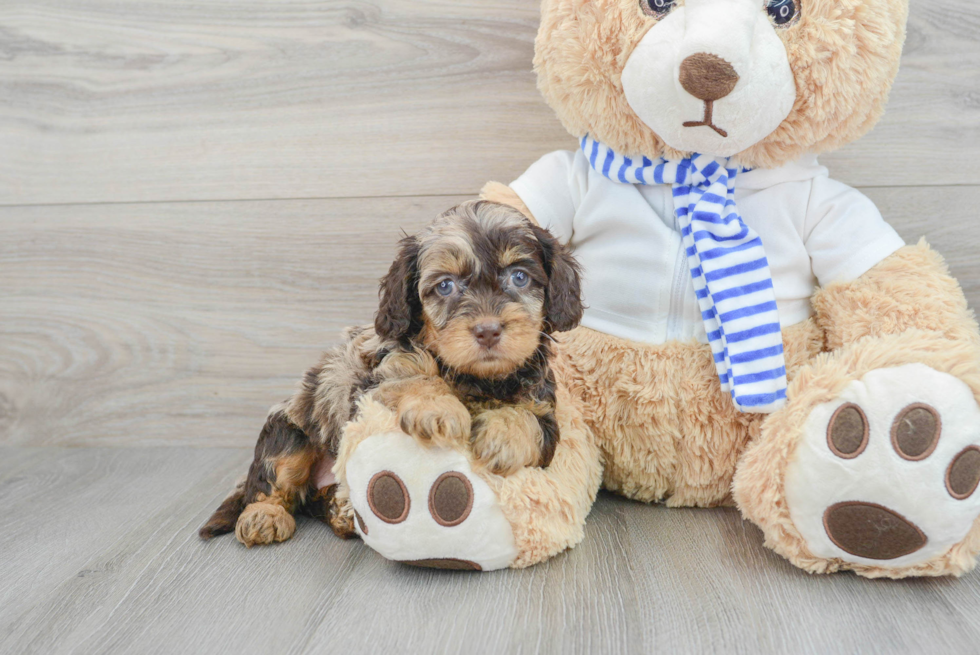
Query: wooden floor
{"x":195,"y":197}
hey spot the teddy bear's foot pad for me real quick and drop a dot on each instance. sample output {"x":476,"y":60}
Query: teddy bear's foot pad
{"x":886,"y":474}
{"x":424,"y":506}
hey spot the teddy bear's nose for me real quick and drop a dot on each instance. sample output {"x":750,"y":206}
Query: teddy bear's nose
{"x":707,"y":77}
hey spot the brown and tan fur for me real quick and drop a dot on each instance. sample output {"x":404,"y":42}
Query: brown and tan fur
{"x":480,"y":264}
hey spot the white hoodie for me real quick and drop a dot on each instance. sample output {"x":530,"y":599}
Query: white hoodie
{"x":636,"y":283}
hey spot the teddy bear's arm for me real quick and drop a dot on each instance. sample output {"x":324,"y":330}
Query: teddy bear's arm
{"x":497,"y":192}
{"x":550,"y":192}
{"x":909,"y":290}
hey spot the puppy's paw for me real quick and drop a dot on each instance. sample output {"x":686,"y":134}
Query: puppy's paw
{"x":507,"y":440}
{"x":443,"y":420}
{"x":264,"y":523}
{"x":341,"y":519}
{"x":324,"y":505}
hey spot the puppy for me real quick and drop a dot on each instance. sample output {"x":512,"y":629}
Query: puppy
{"x":459,"y":349}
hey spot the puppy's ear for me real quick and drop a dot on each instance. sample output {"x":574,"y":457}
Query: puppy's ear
{"x":399,"y":316}
{"x":563,"y":297}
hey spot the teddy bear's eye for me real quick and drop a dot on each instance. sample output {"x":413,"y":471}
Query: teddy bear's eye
{"x":782,"y":12}
{"x":658,"y":8}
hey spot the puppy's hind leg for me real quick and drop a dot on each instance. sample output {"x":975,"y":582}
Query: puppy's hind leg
{"x":226,"y":516}
{"x":261,"y":511}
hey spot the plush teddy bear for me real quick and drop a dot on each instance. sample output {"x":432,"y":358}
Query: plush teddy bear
{"x":756,"y":333}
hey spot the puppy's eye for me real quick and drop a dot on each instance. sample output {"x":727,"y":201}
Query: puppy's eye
{"x":782,"y":12}
{"x":446,"y":287}
{"x":520,"y":279}
{"x":657,"y":8}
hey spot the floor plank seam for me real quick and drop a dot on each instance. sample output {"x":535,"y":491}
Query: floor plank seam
{"x":452,"y":194}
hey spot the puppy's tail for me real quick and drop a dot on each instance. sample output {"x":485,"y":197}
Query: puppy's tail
{"x":226,"y":516}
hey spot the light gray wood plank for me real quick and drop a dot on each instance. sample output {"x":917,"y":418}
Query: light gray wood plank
{"x":933,"y":117}
{"x":949,"y":220}
{"x":146,"y":323}
{"x":125,"y":574}
{"x":66,"y":506}
{"x":181,"y":323}
{"x":140,"y":100}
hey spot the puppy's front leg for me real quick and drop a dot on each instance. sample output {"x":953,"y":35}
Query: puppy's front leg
{"x":508,"y":439}
{"x":427,"y":409}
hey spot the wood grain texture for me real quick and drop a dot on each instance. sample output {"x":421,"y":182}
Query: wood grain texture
{"x":182,"y":323}
{"x":139,"y":100}
{"x":166,"y":322}
{"x":105,"y":572}
{"x":157,"y":324}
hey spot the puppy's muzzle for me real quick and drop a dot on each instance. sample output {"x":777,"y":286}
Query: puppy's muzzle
{"x":487,"y":333}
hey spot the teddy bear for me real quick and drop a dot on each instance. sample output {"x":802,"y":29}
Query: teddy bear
{"x":756,"y":334}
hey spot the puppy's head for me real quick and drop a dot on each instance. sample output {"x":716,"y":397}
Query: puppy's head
{"x":478,"y":288}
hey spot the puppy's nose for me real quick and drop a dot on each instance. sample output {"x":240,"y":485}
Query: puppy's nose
{"x":487,"y":334}
{"x":707,"y":77}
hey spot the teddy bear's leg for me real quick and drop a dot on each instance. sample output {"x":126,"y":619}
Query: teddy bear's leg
{"x":422,"y":504}
{"x":874,"y":463}
{"x":666,"y":429}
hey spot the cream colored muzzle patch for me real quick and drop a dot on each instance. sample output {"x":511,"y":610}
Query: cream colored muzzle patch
{"x":660,"y":87}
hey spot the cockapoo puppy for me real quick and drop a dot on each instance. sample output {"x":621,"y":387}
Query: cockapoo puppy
{"x":460,"y":349}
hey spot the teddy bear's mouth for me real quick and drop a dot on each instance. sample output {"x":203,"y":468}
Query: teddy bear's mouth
{"x":706,"y":121}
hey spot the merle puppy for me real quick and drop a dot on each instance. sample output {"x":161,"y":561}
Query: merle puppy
{"x":460,"y":349}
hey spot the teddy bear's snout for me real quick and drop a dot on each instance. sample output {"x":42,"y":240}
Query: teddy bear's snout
{"x":707,"y":77}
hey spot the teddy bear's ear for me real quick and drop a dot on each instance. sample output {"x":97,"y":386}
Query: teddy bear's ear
{"x":399,"y":316}
{"x":563,"y":297}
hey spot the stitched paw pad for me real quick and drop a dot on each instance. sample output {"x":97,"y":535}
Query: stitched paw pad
{"x":887,"y":473}
{"x":423,"y":505}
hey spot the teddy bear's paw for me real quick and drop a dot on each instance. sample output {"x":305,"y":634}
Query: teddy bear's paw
{"x":424,"y":506}
{"x":886,"y":474}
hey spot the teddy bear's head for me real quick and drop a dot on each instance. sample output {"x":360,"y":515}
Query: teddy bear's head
{"x":762,"y":80}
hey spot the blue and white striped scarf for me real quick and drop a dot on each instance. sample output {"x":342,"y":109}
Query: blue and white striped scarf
{"x":728,"y":265}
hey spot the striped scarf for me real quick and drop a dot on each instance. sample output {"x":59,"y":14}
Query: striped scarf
{"x":728,"y":265}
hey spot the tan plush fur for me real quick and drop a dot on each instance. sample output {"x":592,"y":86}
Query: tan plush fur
{"x":667,"y":432}
{"x":655,"y":415}
{"x":545,"y":507}
{"x":759,"y":489}
{"x":905,"y":310}
{"x":497,"y":192}
{"x":664,"y":428}
{"x":844,"y":55}
{"x":910,"y":290}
